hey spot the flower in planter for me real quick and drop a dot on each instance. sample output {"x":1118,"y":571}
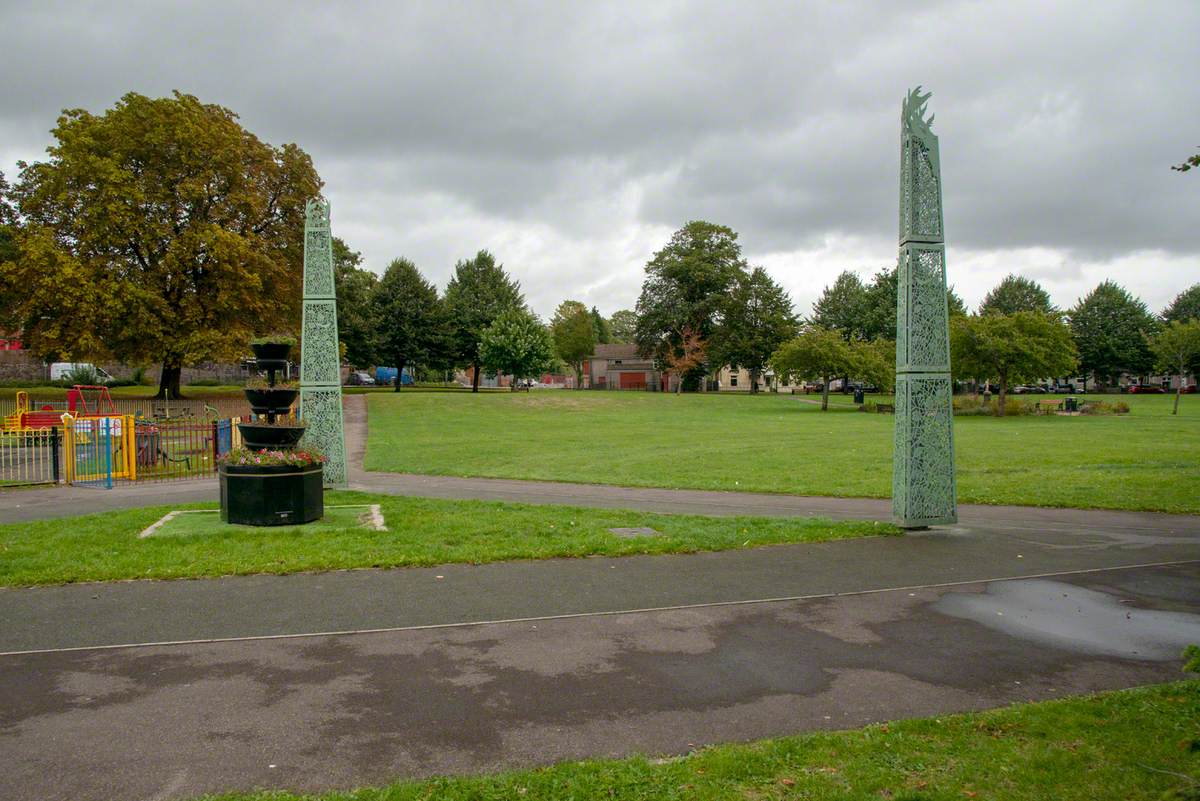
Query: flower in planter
{"x":243,"y":456}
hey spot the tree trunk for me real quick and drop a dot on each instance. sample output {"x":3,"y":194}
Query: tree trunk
{"x":1179,"y":387}
{"x":475,"y":377}
{"x":168,"y":382}
{"x":679,"y":384}
{"x":578,"y":375}
{"x":825,"y":394}
{"x":399,"y":375}
{"x":1000,"y":397}
{"x":753,"y":382}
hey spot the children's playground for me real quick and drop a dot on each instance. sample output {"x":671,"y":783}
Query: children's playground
{"x":87,"y":440}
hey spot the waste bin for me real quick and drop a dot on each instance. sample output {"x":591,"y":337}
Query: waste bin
{"x":858,"y":395}
{"x":1071,"y":405}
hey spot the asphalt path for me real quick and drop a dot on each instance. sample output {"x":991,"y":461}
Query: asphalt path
{"x":318,"y":681}
{"x":308,"y":682}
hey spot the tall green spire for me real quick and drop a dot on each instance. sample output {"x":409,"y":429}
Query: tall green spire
{"x":320,"y":368}
{"x":923,"y":488}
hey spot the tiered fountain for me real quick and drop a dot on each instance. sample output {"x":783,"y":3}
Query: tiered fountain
{"x":268,"y":482}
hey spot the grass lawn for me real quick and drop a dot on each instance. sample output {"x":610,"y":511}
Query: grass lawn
{"x":1133,"y":744}
{"x":1146,"y":460}
{"x":106,"y":546}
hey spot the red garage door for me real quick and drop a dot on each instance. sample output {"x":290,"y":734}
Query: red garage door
{"x":633,"y":380}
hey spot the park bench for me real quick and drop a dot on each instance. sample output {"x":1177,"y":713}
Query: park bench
{"x":885,"y":408}
{"x":1048,"y":407}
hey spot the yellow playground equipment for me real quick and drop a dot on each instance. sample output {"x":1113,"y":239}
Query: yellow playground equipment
{"x":99,"y":449}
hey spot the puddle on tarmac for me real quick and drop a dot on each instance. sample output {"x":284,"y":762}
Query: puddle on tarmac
{"x":1065,"y":616}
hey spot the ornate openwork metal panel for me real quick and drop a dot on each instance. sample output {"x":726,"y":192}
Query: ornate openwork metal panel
{"x":320,"y":376}
{"x":923,"y":488}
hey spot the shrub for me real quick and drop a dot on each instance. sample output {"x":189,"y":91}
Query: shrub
{"x":204,"y":382}
{"x":970,"y":406}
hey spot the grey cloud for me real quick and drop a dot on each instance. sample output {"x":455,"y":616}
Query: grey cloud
{"x":569,"y":131}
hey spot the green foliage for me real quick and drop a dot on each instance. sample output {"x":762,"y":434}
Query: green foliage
{"x":1110,"y":327}
{"x":355,"y":288}
{"x":600,"y":327}
{"x":1188,"y":163}
{"x":8,"y":253}
{"x":1191,"y":659}
{"x":756,"y":319}
{"x":843,"y":307}
{"x":517,"y":344}
{"x":274,"y":339}
{"x":574,"y":331}
{"x":1176,"y":348}
{"x":411,"y":321}
{"x":1186,"y":306}
{"x":879,"y":315}
{"x":160,"y":230}
{"x":1016,"y":294}
{"x":874,"y":362}
{"x":687,"y":283}
{"x":623,"y":326}
{"x":478,"y":293}
{"x":819,"y":354}
{"x":1006,"y":348}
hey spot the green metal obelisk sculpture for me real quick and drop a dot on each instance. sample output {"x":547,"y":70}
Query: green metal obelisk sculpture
{"x":923,"y":489}
{"x":320,"y":373}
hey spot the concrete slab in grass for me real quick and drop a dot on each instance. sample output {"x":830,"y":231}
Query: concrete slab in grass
{"x":627,"y":533}
{"x":188,"y":522}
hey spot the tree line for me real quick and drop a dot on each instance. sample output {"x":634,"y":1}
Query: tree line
{"x":162,"y":230}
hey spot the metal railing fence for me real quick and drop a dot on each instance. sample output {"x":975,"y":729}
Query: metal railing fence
{"x":30,"y":457}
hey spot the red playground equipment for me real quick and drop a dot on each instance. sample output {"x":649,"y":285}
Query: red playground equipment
{"x":83,"y":400}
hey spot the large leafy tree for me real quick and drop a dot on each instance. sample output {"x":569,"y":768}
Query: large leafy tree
{"x":1110,"y":327}
{"x":517,"y":344}
{"x":601,"y":327}
{"x":574,"y":331}
{"x":412,"y":328}
{"x":160,"y":230}
{"x":478,"y":293}
{"x":8,"y":223}
{"x":1186,"y":306}
{"x":757,"y":319}
{"x":817,"y":354}
{"x":622,"y":326}
{"x":686,"y":286}
{"x":843,"y":307}
{"x":1016,"y":294}
{"x":880,"y":315}
{"x":9,"y":294}
{"x":355,"y":288}
{"x":1176,"y":348}
{"x":1024,"y":346}
{"x":874,"y":362}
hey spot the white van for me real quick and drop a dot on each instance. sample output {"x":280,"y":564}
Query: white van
{"x":60,"y":370}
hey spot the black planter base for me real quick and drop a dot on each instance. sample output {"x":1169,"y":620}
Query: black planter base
{"x":276,"y":495}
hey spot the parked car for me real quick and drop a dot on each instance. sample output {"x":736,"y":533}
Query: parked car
{"x":1144,"y":389}
{"x":360,"y":378}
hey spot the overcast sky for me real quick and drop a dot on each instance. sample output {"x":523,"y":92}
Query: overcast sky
{"x":571,"y":139}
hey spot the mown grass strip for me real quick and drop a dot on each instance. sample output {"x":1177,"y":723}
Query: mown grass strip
{"x":421,"y":532}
